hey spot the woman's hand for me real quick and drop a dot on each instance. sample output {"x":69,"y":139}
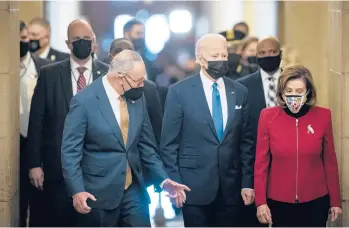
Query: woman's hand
{"x":335,"y":212}
{"x":264,"y":215}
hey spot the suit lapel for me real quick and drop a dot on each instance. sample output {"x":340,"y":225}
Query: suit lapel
{"x":96,"y":73}
{"x":231,"y":103}
{"x":259,"y":91}
{"x":108,"y":113}
{"x":199,"y":95}
{"x":66,"y":81}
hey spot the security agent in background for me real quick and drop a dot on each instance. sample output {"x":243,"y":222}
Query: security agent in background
{"x":29,"y":72}
{"x":235,"y":68}
{"x":39,"y":31}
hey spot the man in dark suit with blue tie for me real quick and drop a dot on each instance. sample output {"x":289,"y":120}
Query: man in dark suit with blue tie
{"x":206,"y":140}
{"x":107,"y":142}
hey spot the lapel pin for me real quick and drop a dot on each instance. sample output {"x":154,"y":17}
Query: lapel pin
{"x":310,"y":129}
{"x":53,"y":58}
{"x":133,"y":102}
{"x":232,"y":92}
{"x":98,"y":72}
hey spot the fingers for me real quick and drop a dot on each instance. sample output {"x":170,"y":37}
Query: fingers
{"x":90,"y":196}
{"x":264,"y":215}
{"x":184,"y":187}
{"x":244,"y":198}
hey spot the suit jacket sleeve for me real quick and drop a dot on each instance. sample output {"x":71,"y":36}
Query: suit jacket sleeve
{"x":36,"y":128}
{"x":148,"y":151}
{"x":247,"y":153}
{"x":262,"y":160}
{"x":155,"y":113}
{"x":331,"y":165}
{"x":72,"y":147}
{"x":170,"y":136}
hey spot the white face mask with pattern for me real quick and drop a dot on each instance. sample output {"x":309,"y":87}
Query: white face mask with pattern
{"x":295,"y":102}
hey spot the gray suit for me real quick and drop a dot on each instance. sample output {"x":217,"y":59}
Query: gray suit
{"x":94,"y":156}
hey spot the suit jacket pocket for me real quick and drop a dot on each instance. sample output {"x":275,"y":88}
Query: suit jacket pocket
{"x":187,"y":163}
{"x":94,"y":170}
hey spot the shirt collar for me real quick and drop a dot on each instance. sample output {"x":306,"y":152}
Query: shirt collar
{"x":266,"y":76}
{"x":109,"y":89}
{"x":74,"y":65}
{"x":207,"y":83}
{"x":44,"y":54}
{"x":26,"y":60}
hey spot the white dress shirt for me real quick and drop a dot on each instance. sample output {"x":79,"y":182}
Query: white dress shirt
{"x":208,"y":88}
{"x":28,"y":79}
{"x":75,"y":73}
{"x":44,"y":54}
{"x":113,"y":98}
{"x":265,"y":81}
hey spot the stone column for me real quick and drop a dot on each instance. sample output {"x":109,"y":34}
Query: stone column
{"x":30,"y":9}
{"x":9,"y":116}
{"x":338,"y":78}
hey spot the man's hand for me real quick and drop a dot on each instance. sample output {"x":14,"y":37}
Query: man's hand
{"x":79,"y":202}
{"x":176,"y":192}
{"x":36,"y":176}
{"x":264,"y":215}
{"x":248,"y":196}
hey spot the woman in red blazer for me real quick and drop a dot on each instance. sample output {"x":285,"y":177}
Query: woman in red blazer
{"x":296,"y":171}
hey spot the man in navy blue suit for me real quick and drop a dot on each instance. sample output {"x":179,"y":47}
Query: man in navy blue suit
{"x":108,"y":143}
{"x":206,"y":140}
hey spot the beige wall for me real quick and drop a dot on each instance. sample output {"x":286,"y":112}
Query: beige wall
{"x":9,"y":117}
{"x":320,"y":31}
{"x":304,"y":25}
{"x":30,"y":9}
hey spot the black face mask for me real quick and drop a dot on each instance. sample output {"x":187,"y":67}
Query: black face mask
{"x":139,"y":44}
{"x":238,"y":35}
{"x":233,"y":61}
{"x":82,"y":48}
{"x":23,"y":48}
{"x":217,"y":69}
{"x":252,"y":59}
{"x":34,"y":45}
{"x":270,"y":63}
{"x":133,"y":94}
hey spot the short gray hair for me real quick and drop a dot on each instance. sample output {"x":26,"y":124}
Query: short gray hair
{"x":124,"y":61}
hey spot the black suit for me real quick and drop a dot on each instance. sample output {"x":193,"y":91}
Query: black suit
{"x":256,"y":99}
{"x":28,"y":194}
{"x":50,"y":105}
{"x":56,"y":56}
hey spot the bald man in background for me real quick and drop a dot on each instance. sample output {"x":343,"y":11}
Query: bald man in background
{"x":56,"y":85}
{"x":39,"y":32}
{"x":261,"y":86}
{"x":206,"y":141}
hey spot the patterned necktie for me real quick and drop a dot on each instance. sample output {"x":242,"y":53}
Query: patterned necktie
{"x":124,"y":122}
{"x":217,"y":114}
{"x":271,"y":93}
{"x":82,"y":79}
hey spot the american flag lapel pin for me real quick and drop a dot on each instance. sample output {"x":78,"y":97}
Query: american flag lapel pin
{"x":310,"y":130}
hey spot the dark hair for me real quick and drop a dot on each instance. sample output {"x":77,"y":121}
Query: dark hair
{"x":22,"y":26}
{"x":120,"y":44}
{"x":247,"y":41}
{"x":129,"y":25}
{"x":296,"y":72}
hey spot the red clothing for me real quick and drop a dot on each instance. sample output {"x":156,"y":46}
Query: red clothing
{"x":296,"y":174}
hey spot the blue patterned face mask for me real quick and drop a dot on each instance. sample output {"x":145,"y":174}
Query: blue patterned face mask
{"x":295,"y":102}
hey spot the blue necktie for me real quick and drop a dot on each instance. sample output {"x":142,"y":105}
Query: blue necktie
{"x":217,"y":114}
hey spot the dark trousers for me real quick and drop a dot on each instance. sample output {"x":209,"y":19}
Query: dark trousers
{"x":309,"y":214}
{"x":29,"y":196}
{"x":248,"y":217}
{"x":58,"y":204}
{"x":133,"y":211}
{"x":216,"y":214}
